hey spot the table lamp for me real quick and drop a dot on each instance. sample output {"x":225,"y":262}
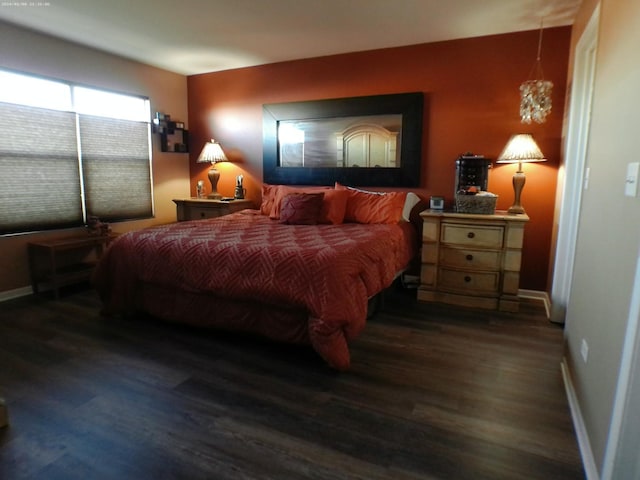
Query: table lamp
{"x":212,"y":152}
{"x":520,"y":149}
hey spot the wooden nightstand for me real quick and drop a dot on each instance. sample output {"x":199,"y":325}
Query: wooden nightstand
{"x":200,"y":208}
{"x":472,"y":260}
{"x":65,"y":261}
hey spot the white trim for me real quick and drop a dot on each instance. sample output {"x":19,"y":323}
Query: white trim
{"x":16,"y":293}
{"x":623,"y":404}
{"x":539,"y":296}
{"x":588,"y":462}
{"x":570,"y":190}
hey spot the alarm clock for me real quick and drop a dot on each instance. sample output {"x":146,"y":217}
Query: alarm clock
{"x":436,"y":203}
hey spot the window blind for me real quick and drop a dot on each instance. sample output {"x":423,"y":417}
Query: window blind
{"x":39,"y":171}
{"x":116,"y":168}
{"x":68,"y":151}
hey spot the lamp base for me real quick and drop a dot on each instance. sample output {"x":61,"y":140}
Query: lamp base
{"x":518,"y":184}
{"x":214,"y":176}
{"x":516,"y":210}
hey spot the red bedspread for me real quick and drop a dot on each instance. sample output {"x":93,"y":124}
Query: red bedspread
{"x":328,"y":270}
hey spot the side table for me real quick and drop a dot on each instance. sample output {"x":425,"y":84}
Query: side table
{"x":49,"y":260}
{"x":472,"y":260}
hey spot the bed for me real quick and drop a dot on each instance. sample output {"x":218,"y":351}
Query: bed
{"x":302,"y":283}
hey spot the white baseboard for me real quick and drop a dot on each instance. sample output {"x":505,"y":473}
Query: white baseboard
{"x":588,"y":462}
{"x":16,"y":293}
{"x":537,"y":295}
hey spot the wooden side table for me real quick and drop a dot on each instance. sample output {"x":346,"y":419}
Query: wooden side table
{"x":50,"y":262}
{"x":472,"y":260}
{"x":201,"y":208}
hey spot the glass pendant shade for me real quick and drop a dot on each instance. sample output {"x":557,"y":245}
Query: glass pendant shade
{"x":535,"y":93}
{"x":535,"y":100}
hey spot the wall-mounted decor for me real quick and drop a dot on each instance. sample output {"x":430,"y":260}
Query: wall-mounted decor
{"x":173,"y":135}
{"x":368,"y":141}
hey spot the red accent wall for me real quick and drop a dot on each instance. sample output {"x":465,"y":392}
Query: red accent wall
{"x":472,"y":98}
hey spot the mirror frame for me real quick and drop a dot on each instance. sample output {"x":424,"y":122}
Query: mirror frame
{"x":409,"y":105}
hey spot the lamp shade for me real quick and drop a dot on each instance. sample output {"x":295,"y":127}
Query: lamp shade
{"x":521,"y":148}
{"x":212,"y":152}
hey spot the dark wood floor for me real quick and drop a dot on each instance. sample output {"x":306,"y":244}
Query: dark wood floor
{"x":434,"y":392}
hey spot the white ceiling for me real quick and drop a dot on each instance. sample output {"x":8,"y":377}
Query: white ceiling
{"x":198,"y":36}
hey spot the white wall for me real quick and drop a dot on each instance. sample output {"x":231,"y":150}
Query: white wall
{"x":609,"y":230}
{"x":29,"y":52}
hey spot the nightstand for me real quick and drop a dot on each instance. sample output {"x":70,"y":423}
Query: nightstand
{"x":472,"y":260}
{"x":201,"y":208}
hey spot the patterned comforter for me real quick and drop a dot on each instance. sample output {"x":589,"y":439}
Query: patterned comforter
{"x":329,"y":271}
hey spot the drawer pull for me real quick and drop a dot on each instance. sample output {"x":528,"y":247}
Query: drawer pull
{"x":467,"y":278}
{"x":471,"y":235}
{"x":201,"y":214}
{"x":469,"y":257}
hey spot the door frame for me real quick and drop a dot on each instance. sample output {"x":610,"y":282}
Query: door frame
{"x":621,"y":454}
{"x":573,"y":176}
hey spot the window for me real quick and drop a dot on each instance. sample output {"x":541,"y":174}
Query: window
{"x":68,"y":151}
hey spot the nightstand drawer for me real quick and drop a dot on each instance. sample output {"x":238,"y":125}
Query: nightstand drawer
{"x":465,"y":281}
{"x":195,"y":213}
{"x":472,"y":235}
{"x":202,"y":208}
{"x":470,"y":259}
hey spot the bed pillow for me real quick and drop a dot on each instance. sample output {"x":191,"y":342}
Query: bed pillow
{"x":334,"y":206}
{"x":301,"y":208}
{"x":411,"y":201}
{"x":284,"y":190}
{"x":373,"y":207}
{"x":269,"y":193}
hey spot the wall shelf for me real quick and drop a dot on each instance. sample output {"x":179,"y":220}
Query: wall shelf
{"x":174,"y":137}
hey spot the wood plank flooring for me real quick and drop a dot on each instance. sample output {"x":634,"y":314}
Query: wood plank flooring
{"x":434,"y":392}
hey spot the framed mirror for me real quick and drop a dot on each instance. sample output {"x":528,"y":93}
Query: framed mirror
{"x":359,"y":141}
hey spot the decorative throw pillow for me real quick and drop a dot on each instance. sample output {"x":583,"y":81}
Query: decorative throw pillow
{"x":284,"y":190}
{"x":373,"y":207}
{"x":301,"y":208}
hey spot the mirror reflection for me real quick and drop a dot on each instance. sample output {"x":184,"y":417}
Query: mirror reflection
{"x":370,"y":141}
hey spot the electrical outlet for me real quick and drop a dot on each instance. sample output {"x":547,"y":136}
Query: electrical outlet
{"x":584,"y":350}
